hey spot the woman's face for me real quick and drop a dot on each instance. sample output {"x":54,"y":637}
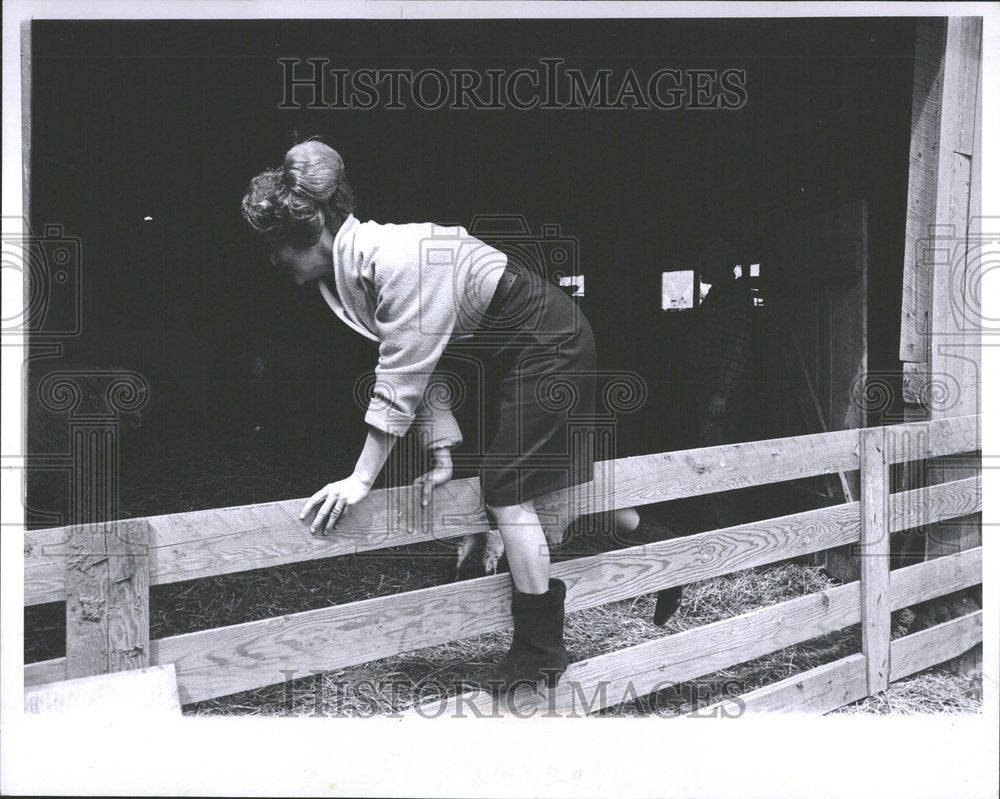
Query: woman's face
{"x":302,"y":263}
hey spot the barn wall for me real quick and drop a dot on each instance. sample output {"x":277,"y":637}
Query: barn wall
{"x":170,"y":121}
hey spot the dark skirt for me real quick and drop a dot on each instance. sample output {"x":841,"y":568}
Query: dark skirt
{"x":539,"y":364}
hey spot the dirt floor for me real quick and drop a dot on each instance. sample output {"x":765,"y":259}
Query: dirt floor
{"x":215,"y":478}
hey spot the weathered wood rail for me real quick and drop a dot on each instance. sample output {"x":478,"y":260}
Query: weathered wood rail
{"x":104,"y":633}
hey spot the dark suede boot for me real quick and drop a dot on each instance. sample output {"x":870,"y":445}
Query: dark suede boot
{"x":669,"y":599}
{"x":667,"y":602}
{"x":537,"y":653}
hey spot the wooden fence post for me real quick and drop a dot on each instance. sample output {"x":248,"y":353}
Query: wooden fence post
{"x":874,"y":556}
{"x":107,"y":598}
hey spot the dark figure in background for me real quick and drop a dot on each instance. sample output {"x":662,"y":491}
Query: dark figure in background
{"x":724,"y":339}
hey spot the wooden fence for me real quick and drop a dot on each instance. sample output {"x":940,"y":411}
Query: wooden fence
{"x":103,"y":572}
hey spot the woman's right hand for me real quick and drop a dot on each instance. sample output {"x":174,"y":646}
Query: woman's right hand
{"x":439,"y":474}
{"x":333,"y":500}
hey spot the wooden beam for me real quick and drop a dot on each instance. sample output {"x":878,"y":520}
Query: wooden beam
{"x":224,"y":660}
{"x":933,"y":578}
{"x":308,"y":644}
{"x":87,"y":604}
{"x":944,"y":436}
{"x":225,"y":540}
{"x":107,"y":599}
{"x":45,"y":671}
{"x":954,"y":358}
{"x":394,"y":615}
{"x":186,"y":546}
{"x":939,"y":337}
{"x":955,"y":316}
{"x":921,"y":506}
{"x":128,"y":596}
{"x":921,"y":198}
{"x":874,"y":552}
{"x":952,"y":384}
{"x":913,"y":653}
{"x":844,"y":681}
{"x":813,"y":692}
{"x":252,"y":654}
{"x":915,"y":384}
{"x":639,"y":670}
{"x":602,"y":681}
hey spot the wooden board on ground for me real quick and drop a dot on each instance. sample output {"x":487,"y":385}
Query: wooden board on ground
{"x":144,"y":692}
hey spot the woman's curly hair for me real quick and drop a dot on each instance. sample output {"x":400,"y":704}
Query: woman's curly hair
{"x":294,"y":201}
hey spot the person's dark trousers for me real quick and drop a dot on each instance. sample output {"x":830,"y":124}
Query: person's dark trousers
{"x":721,"y":509}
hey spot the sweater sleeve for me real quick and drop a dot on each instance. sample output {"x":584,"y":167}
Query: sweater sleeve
{"x":415,"y":313}
{"x":439,"y":425}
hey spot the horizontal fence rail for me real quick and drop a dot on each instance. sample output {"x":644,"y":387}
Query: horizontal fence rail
{"x":238,"y":657}
{"x":195,"y":544}
{"x":836,"y":684}
{"x":703,"y":650}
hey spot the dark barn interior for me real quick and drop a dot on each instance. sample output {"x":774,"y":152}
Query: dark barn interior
{"x":169,"y":120}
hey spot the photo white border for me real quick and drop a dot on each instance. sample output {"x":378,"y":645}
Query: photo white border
{"x":855,"y":756}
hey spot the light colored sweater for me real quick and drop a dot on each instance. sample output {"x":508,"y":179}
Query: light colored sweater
{"x":411,"y":288}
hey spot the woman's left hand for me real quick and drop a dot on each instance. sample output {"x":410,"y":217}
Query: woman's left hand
{"x":333,"y":500}
{"x":439,"y":475}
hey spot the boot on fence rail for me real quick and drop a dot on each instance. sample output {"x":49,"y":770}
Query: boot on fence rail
{"x":538,"y":652}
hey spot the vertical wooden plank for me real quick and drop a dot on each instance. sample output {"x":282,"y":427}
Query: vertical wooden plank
{"x":955,"y":322}
{"x":87,"y":601}
{"x":26,"y":131}
{"x":107,"y":598}
{"x":921,"y":201}
{"x":921,"y":196}
{"x":128,"y":595}
{"x":954,"y":356}
{"x":874,"y":550}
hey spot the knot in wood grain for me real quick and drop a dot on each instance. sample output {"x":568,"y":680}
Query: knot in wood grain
{"x":91,"y":608}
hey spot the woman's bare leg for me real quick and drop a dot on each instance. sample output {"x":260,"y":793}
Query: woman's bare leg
{"x":526,"y":546}
{"x":625,"y":521}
